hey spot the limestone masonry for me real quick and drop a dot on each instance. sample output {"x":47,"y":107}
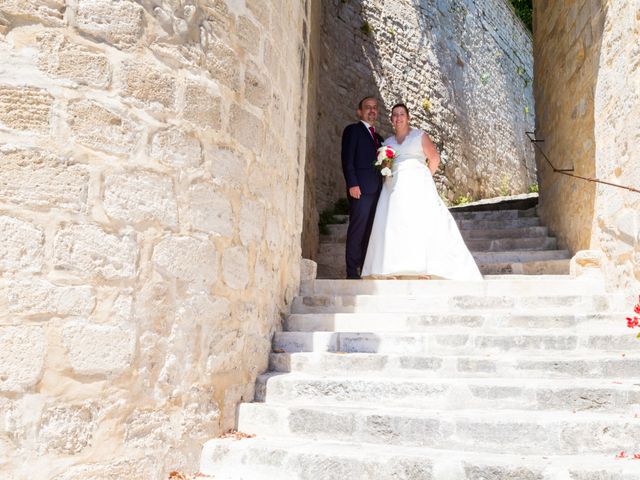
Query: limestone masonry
{"x":588,"y":96}
{"x":464,"y":68}
{"x":151,"y":176}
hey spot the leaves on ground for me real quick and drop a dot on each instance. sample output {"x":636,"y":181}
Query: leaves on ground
{"x":236,"y":435}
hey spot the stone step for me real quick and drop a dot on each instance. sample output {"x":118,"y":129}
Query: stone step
{"x":549,"y":364}
{"x":297,"y":458}
{"x":481,"y":322}
{"x":490,"y":222}
{"x":437,"y":303}
{"x":495,"y":214}
{"x":498,"y":224}
{"x":518,"y":285}
{"x":505,"y":431}
{"x":543,"y":267}
{"x":334,"y":267}
{"x":331,"y":258}
{"x":477,"y":245}
{"x":521,"y":256}
{"x":338,"y":233}
{"x":457,"y":393}
{"x":457,"y":342}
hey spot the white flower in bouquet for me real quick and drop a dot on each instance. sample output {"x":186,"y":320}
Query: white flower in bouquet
{"x":384,"y":160}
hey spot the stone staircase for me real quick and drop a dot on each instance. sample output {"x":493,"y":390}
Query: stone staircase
{"x":501,"y":241}
{"x":514,"y":377}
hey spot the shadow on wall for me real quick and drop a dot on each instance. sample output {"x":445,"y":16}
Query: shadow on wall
{"x":344,"y":66}
{"x":464,"y":68}
{"x":565,"y":83}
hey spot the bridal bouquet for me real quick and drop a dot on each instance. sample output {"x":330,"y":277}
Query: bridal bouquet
{"x":384,"y":161}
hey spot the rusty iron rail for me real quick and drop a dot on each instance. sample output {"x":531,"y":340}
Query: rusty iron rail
{"x":567,"y":171}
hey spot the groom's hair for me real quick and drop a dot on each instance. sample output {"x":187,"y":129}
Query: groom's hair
{"x":402,"y":105}
{"x":363,"y":100}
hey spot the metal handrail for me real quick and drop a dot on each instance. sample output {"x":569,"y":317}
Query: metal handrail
{"x":566,"y":171}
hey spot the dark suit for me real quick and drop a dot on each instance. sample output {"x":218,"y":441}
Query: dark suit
{"x":358,"y":154}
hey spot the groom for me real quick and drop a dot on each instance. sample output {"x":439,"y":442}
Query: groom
{"x":359,"y":146}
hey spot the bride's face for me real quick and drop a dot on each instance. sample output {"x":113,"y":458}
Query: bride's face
{"x":399,"y":118}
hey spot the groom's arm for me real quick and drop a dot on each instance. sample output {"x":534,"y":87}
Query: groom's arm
{"x":348,"y":155}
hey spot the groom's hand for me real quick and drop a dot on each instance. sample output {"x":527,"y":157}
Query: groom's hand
{"x":355,"y":192}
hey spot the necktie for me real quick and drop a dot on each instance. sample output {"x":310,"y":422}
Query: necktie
{"x":373,"y":134}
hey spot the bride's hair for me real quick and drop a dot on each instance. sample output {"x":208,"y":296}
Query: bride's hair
{"x":402,"y":105}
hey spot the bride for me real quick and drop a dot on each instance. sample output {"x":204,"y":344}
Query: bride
{"x":413,"y":233}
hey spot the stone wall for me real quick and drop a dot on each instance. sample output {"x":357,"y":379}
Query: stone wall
{"x":150,"y":215}
{"x":587,"y":100}
{"x":567,"y":44}
{"x":465,"y":69}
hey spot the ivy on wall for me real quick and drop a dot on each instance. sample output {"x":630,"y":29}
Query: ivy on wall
{"x":524,"y":9}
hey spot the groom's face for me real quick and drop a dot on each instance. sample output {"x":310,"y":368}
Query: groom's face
{"x":369,"y":111}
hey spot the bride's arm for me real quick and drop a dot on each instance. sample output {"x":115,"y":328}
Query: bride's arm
{"x":430,"y":150}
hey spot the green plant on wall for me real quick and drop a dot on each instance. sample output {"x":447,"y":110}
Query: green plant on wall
{"x":426,"y":105}
{"x":463,"y":200}
{"x":366,"y":28}
{"x":505,"y":189}
{"x":524,"y":10}
{"x":533,"y":188}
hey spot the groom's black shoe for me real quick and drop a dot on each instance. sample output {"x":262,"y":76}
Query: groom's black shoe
{"x":354,"y":275}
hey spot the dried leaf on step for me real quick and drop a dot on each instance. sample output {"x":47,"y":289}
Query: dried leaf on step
{"x":237,"y":435}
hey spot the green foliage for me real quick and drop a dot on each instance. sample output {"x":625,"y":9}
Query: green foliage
{"x":533,"y":188}
{"x":341,"y":207}
{"x":462,"y":200}
{"x":366,"y":28}
{"x":524,"y":10}
{"x":327,"y":217}
{"x":484,"y":78}
{"x":504,"y":186}
{"x":426,"y":104}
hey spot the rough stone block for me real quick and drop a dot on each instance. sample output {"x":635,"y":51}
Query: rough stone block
{"x":188,"y":259}
{"x":208,"y":209}
{"x":308,"y":270}
{"x":201,"y":106}
{"x":588,"y":264}
{"x":148,"y":429}
{"x":67,"y":429}
{"x":103,"y":350}
{"x":140,"y":198}
{"x":89,"y":251}
{"x":149,"y":84}
{"x":144,"y":467}
{"x":50,"y":12}
{"x":252,"y":221}
{"x":235,"y":267}
{"x":22,"y":354}
{"x":176,"y":148}
{"x":25,"y":108}
{"x":222,"y":63}
{"x":249,"y":35}
{"x":97,"y":127}
{"x":248,"y":129}
{"x":117,"y":22}
{"x":34,"y":178}
{"x":256,"y":86}
{"x":227,"y":166}
{"x":21,"y":246}
{"x":61,"y":58}
{"x":39,"y":297}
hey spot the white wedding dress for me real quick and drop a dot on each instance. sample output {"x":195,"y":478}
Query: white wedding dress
{"x":413,"y":232}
